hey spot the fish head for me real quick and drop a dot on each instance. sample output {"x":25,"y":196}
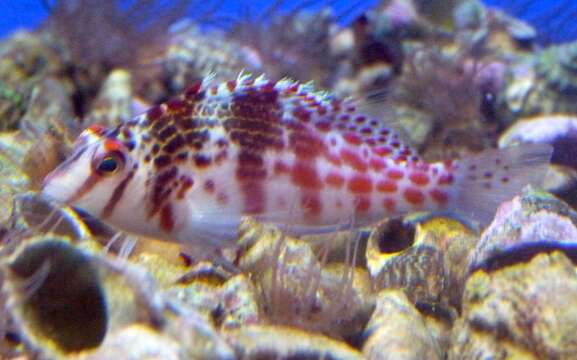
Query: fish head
{"x":88,"y":178}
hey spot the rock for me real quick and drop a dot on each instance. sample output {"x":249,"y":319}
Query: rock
{"x":425,"y":260}
{"x":113,"y":104}
{"x":531,"y":223}
{"x":278,"y":342}
{"x":526,"y":310}
{"x":558,"y":130}
{"x":297,"y":288}
{"x":397,"y":330}
{"x":66,"y":299}
{"x":543,"y":83}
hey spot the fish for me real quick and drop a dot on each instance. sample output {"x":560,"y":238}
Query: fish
{"x":188,"y":170}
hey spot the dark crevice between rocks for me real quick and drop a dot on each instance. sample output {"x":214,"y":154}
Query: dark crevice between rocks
{"x":395,"y":236}
{"x":67,"y":304}
{"x":441,"y":312}
{"x":523,"y":253}
{"x":297,"y":355}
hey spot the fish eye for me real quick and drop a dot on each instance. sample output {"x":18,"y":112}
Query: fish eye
{"x":110,"y":164}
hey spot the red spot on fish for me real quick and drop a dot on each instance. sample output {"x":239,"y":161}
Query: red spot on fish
{"x":176,"y":105}
{"x":162,"y":161}
{"x":201,"y":160}
{"x":336,"y":105}
{"x":254,"y":197}
{"x":154,"y":113}
{"x":96,"y":129}
{"x":311,"y":204}
{"x":220,"y":157}
{"x":335,"y":180}
{"x":162,"y":188}
{"x":386,"y":186}
{"x":209,"y":186}
{"x":395,"y":174}
{"x":280,"y":167}
{"x":352,"y":138}
{"x":302,"y":114}
{"x":269,"y":86}
{"x":414,"y":196}
{"x":166,"y":218}
{"x":362,"y":204}
{"x":446,"y":179}
{"x":377,"y":164}
{"x":127,"y":133}
{"x":231,"y":85}
{"x":222,"y":198}
{"x":305,"y":175}
{"x":389,"y":204}
{"x":323,"y":126}
{"x":419,"y":178}
{"x":111,"y":145}
{"x":174,"y":144}
{"x":382,"y":150}
{"x":360,"y":184}
{"x":352,"y":159}
{"x":333,"y":158}
{"x":439,"y":196}
{"x":306,"y":145}
{"x":184,"y":187}
{"x":193,"y":90}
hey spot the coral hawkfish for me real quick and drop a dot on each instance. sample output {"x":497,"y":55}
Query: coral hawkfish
{"x":188,"y":170}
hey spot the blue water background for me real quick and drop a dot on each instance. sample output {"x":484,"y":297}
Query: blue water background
{"x":555,"y":20}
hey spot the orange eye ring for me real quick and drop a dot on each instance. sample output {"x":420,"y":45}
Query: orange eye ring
{"x":109,"y":164}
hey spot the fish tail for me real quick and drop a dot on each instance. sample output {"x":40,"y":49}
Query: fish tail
{"x":486,"y":180}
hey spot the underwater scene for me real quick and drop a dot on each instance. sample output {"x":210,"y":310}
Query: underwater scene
{"x":274,"y":179}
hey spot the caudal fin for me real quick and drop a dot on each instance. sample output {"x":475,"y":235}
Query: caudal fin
{"x":494,"y":176}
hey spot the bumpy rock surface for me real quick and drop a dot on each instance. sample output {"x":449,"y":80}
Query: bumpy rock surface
{"x":524,"y":311}
{"x":398,"y":331}
{"x":530,"y":223}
